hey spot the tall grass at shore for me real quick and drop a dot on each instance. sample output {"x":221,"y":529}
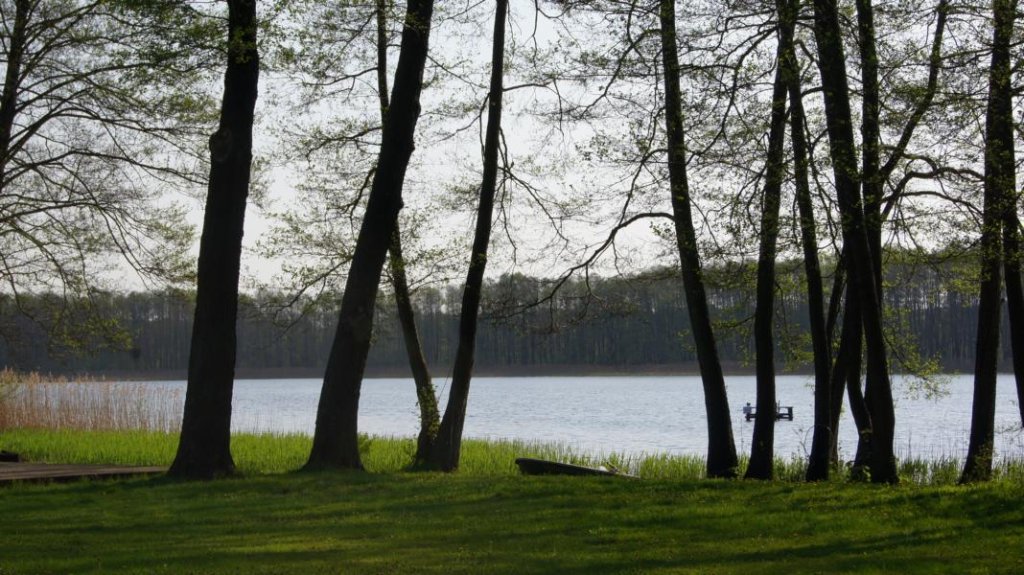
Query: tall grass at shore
{"x":270,"y":453}
{"x":58,"y":420}
{"x":31,"y":400}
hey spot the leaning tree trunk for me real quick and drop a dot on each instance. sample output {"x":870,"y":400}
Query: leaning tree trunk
{"x":1000,"y":186}
{"x":832,"y":64}
{"x":447,"y":448}
{"x":336,"y":436}
{"x":762,"y":446}
{"x":425,"y":396}
{"x":722,"y":460}
{"x":204,"y":449}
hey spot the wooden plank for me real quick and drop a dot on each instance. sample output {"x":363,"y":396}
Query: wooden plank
{"x":11,"y":472}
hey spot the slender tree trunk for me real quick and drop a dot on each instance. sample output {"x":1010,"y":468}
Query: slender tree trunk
{"x":1000,"y":186}
{"x":870,"y":135}
{"x":788,"y":11}
{"x":204,"y":449}
{"x":425,"y":395}
{"x":762,"y":447}
{"x":426,"y":399}
{"x":16,"y":44}
{"x":336,"y":436}
{"x":1015,"y":295}
{"x":847,"y":375}
{"x":872,"y":181}
{"x":447,"y":448}
{"x":722,"y":460}
{"x":832,"y":63}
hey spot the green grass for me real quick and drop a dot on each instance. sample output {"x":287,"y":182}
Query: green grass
{"x":484,"y":519}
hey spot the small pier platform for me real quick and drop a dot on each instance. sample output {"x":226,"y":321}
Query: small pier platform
{"x":43,"y":472}
{"x":781,"y":412}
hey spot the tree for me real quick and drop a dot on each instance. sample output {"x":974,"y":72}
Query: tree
{"x":425,"y":395}
{"x":445,"y":452}
{"x":762,"y":450}
{"x":101,"y":105}
{"x":336,"y":440}
{"x":204,"y":449}
{"x":721,"y":460}
{"x":832,"y":63}
{"x":1000,"y":188}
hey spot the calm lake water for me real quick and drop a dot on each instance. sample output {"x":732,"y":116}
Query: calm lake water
{"x":633,"y":414}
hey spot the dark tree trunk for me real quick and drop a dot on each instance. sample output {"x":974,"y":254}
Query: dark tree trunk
{"x":16,"y":44}
{"x":788,"y":11}
{"x":1015,"y":298}
{"x":722,"y":460}
{"x":832,"y":64}
{"x":336,"y":436}
{"x":762,"y":447}
{"x":425,"y":396}
{"x":871,"y":179}
{"x":447,"y":448}
{"x":847,"y":375}
{"x":870,"y":135}
{"x":204,"y":450}
{"x":1014,"y":293}
{"x":1000,"y":186}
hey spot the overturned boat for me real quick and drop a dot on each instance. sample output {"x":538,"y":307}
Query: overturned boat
{"x":530,"y":466}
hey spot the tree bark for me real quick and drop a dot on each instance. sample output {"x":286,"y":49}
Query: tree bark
{"x":336,"y":436}
{"x":204,"y":449}
{"x":1000,"y":187}
{"x":447,"y":448}
{"x":426,"y":398}
{"x":832,"y":64}
{"x":722,"y":460}
{"x":762,"y":446}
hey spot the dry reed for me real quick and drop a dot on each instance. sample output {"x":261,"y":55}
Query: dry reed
{"x":33,"y":401}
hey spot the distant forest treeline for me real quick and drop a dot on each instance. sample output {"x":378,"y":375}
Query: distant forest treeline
{"x":629,"y":324}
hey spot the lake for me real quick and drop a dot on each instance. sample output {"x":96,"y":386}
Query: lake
{"x":651,"y":414}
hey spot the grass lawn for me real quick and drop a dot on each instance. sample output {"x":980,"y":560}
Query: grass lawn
{"x":499,"y":522}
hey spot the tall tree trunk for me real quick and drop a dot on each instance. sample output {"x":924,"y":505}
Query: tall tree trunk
{"x":1014,"y":295}
{"x":722,"y":460}
{"x":16,"y":45}
{"x":1000,"y":186}
{"x":447,"y":448}
{"x":832,"y":63}
{"x":762,"y":447}
{"x":204,"y":449}
{"x":336,"y":436}
{"x":788,"y":11}
{"x":426,"y":399}
{"x":870,"y":135}
{"x":847,"y":376}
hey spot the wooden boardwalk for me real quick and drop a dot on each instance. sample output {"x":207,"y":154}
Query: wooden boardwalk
{"x":42,"y":472}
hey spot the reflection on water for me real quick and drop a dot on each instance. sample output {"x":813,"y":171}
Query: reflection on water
{"x":634,"y":414}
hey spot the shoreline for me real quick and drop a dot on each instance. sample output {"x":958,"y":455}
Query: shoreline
{"x":652,"y":370}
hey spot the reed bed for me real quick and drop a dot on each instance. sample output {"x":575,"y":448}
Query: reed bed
{"x":34,"y":401}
